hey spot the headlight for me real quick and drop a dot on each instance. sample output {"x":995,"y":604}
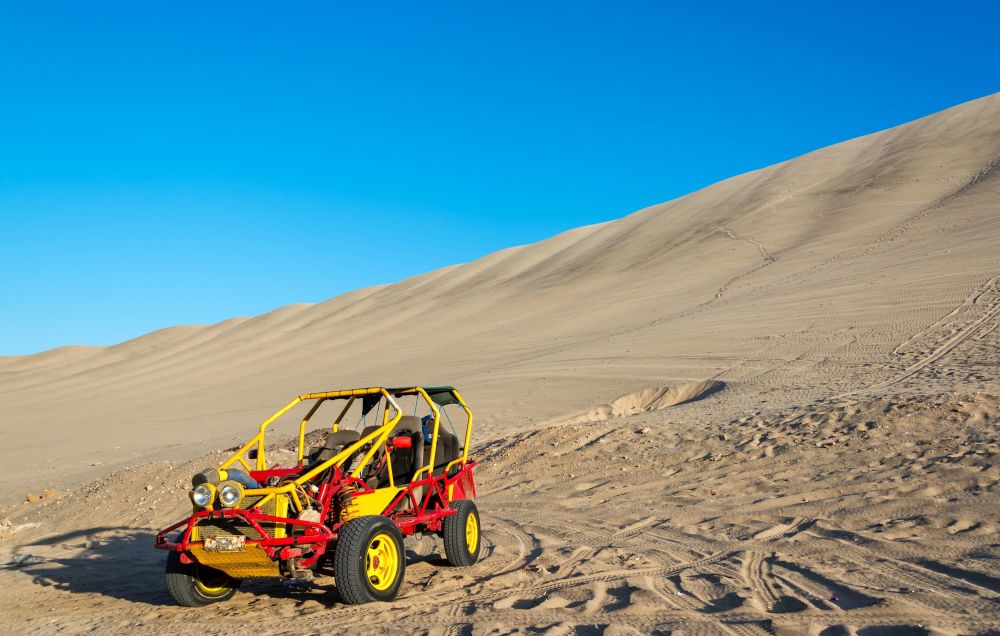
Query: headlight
{"x":202,"y":495}
{"x":230,"y":494}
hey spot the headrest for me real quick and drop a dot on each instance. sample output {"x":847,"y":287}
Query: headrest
{"x":408,"y":423}
{"x":341,"y":438}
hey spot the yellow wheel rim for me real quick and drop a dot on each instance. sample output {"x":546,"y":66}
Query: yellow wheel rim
{"x":205,"y":588}
{"x":381,"y":562}
{"x":471,"y":533}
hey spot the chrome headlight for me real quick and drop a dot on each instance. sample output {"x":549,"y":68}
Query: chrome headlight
{"x":230,"y":494}
{"x":202,"y":495}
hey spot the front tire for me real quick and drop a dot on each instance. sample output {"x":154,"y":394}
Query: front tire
{"x":462,"y":536}
{"x":369,"y":561}
{"x":194,"y":585}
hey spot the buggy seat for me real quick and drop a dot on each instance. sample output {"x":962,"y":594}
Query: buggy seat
{"x":405,"y":461}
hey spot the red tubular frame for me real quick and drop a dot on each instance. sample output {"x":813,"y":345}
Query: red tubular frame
{"x":425,"y":515}
{"x":421,"y":519}
{"x":252,"y":517}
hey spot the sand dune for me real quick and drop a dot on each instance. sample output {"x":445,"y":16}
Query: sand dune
{"x":813,"y":276}
{"x":841,"y":482}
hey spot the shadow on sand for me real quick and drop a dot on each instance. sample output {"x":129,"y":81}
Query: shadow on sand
{"x":123,"y":564}
{"x":115,"y":562}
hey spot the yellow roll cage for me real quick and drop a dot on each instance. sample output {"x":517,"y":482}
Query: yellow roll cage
{"x":381,"y":435}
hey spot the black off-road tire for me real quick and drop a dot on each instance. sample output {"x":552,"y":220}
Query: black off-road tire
{"x":350,"y":560}
{"x":457,"y":548}
{"x":187,"y":583}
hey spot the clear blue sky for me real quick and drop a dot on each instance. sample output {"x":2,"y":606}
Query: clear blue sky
{"x":171,"y":163}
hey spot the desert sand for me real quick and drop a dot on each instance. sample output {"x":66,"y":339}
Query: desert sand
{"x":767,"y":407}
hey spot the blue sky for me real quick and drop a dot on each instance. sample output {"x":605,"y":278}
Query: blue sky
{"x":171,"y":163}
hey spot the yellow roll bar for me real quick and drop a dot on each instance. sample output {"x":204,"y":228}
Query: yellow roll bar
{"x":379,"y":436}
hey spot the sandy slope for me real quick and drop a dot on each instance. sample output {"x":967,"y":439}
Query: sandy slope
{"x":812,"y":289}
{"x":820,"y":275}
{"x":852,"y":517}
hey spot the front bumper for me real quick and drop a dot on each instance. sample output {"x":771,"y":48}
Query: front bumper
{"x":259,"y":557}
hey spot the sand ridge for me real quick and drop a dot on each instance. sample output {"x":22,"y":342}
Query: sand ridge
{"x":642,"y":401}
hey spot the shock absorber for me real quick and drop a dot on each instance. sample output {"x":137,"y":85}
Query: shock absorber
{"x":345,"y":503}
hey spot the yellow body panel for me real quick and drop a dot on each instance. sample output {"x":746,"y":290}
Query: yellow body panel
{"x":250,"y":563}
{"x":280,"y":510}
{"x":372,"y":503}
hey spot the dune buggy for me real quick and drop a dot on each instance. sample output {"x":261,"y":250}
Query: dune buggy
{"x":341,"y":509}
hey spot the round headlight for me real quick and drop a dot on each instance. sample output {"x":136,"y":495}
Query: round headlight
{"x":230,"y":494}
{"x":202,"y":495}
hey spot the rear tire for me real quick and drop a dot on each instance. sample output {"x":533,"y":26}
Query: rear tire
{"x":369,"y":561}
{"x":462,"y":535}
{"x":195,"y":585}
